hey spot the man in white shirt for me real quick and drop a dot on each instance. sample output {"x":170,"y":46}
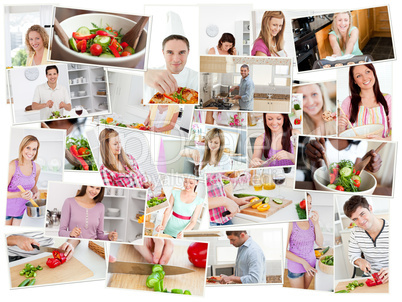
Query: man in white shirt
{"x":174,"y":74}
{"x":51,"y":96}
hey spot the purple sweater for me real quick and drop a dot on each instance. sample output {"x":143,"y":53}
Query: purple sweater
{"x":89,"y":220}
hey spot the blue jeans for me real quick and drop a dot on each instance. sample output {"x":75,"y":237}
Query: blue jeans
{"x":229,"y":222}
{"x":294,"y":275}
{"x":11,"y":217}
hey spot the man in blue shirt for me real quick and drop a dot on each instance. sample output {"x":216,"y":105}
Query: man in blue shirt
{"x":250,"y":260}
{"x":246,"y":89}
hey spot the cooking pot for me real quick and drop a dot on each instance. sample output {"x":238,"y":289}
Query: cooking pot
{"x":36,"y":212}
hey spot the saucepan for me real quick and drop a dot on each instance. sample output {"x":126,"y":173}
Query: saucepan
{"x":36,"y":212}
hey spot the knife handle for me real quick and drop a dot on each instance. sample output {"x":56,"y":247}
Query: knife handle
{"x":35,"y":246}
{"x":225,"y":213}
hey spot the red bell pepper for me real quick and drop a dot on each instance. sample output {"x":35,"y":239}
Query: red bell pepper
{"x":197,"y":253}
{"x":332,"y":178}
{"x":59,"y":256}
{"x":74,"y":152}
{"x":116,"y":45}
{"x":103,"y":33}
{"x":52,"y":262}
{"x":114,"y":51}
{"x":370,"y":282}
{"x":170,"y":98}
{"x":77,"y":36}
{"x":377,"y":278}
{"x":124,"y":45}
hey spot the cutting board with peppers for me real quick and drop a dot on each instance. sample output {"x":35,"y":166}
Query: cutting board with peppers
{"x":274,"y":207}
{"x":70,"y":271}
{"x":381,"y":288}
{"x":194,"y":282}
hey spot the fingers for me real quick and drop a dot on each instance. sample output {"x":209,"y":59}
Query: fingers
{"x":163,"y":250}
{"x":315,"y":149}
{"x":112,"y":259}
{"x":166,"y":83}
{"x":146,"y":249}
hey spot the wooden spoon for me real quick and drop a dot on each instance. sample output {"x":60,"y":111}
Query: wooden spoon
{"x":61,"y":33}
{"x":360,"y":166}
{"x":324,"y":156}
{"x":133,"y":35}
{"x":350,"y":124}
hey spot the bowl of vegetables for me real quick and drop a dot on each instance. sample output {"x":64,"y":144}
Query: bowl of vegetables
{"x":343,"y":178}
{"x":326,"y":264}
{"x":102,"y":34}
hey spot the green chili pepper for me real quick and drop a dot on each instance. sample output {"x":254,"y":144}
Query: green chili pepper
{"x":24,"y":283}
{"x":157,"y":268}
{"x":152,"y":279}
{"x":32,"y":282}
{"x":158,"y":286}
{"x":342,"y":291}
{"x":187,"y":292}
{"x":177,"y":291}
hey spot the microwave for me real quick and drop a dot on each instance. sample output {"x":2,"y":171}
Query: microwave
{"x":223,"y":269}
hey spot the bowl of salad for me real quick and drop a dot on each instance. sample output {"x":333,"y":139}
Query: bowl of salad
{"x":363,"y":131}
{"x":96,"y":39}
{"x":343,"y":178}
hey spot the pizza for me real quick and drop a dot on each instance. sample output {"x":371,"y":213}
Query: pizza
{"x":182,"y":95}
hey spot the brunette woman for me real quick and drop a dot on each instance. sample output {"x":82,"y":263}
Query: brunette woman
{"x":226,"y":46}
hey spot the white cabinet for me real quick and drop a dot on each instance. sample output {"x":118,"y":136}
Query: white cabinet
{"x":243,"y":38}
{"x":271,"y":106}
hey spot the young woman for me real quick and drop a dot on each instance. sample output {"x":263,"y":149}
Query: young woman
{"x":275,"y":143}
{"x":119,"y":169}
{"x":25,"y":172}
{"x":367,"y":104}
{"x":213,"y":158}
{"x":344,"y":37}
{"x":315,"y":102}
{"x":183,"y":211}
{"x":162,"y":118}
{"x":37,"y":43}
{"x":82,"y":216}
{"x":300,"y":253}
{"x":226,"y":46}
{"x":270,"y":40}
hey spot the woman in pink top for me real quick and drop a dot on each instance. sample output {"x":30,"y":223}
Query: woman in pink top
{"x":300,"y":253}
{"x":367,"y":104}
{"x":82,"y":216}
{"x":25,"y":172}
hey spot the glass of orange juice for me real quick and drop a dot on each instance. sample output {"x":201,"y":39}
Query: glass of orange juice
{"x":257,"y":181}
{"x":267,"y":181}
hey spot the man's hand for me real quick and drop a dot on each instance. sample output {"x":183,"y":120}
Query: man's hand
{"x":363,"y":264}
{"x":24,"y":243}
{"x":49,"y":104}
{"x":315,"y":150}
{"x":237,"y":97}
{"x":156,"y":250}
{"x":161,"y":80}
{"x":233,"y":88}
{"x":62,"y":105}
{"x":375,"y":162}
{"x":383,"y":275}
{"x":225,"y":279}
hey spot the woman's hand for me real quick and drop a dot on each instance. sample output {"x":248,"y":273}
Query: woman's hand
{"x":76,"y":232}
{"x":243,"y":200}
{"x":180,"y":235}
{"x":159,"y":228}
{"x":112,"y":236}
{"x":284,"y":155}
{"x":69,"y":250}
{"x":146,"y":122}
{"x":232,"y":207}
{"x":314,"y":217}
{"x":156,"y":250}
{"x":256,"y":162}
{"x":153,"y":129}
{"x":343,"y":122}
{"x":27,"y":195}
{"x":383,"y":275}
{"x":35,"y":195}
{"x":195,"y":155}
{"x":309,"y":269}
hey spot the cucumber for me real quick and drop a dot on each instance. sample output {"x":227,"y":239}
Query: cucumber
{"x":266,"y":200}
{"x":83,"y":30}
{"x":331,"y":186}
{"x":102,"y":40}
{"x":325,"y":250}
{"x":73,"y":44}
{"x":32,"y":282}
{"x":241,"y":195}
{"x":24,"y":283}
{"x":106,"y":55}
{"x":129,"y":49}
{"x":277,"y":201}
{"x":346,"y":172}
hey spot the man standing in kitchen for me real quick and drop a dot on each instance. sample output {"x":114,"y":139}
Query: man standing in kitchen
{"x":51,"y":96}
{"x":250,"y":260}
{"x":369,"y":238}
{"x":246,"y":89}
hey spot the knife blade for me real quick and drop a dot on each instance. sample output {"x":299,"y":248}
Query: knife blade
{"x":136,"y":268}
{"x":47,"y":249}
{"x":250,"y":204}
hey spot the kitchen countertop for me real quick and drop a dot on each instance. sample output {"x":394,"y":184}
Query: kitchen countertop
{"x":32,"y":222}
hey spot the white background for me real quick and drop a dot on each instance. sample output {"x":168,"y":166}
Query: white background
{"x":95,"y":291}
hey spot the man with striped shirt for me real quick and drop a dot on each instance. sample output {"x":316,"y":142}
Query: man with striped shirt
{"x":370,"y":237}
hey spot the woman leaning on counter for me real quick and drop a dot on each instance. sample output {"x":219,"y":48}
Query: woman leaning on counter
{"x":226,"y":46}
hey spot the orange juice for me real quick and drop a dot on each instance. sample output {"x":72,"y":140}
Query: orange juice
{"x":269,"y":186}
{"x":257,"y":187}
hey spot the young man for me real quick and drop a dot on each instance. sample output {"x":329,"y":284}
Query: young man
{"x":250,"y":260}
{"x":370,"y":237}
{"x":51,"y":96}
{"x":246,"y":90}
{"x":175,"y":49}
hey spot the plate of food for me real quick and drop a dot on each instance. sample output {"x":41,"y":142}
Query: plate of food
{"x":182,"y":95}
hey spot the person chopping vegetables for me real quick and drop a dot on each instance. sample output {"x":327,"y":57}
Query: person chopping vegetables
{"x":370,"y":237}
{"x":51,"y":97}
{"x":246,"y":89}
{"x":250,"y":260}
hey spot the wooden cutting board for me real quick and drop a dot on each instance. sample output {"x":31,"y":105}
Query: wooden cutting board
{"x":273,"y":209}
{"x":194,"y":282}
{"x":70,"y":271}
{"x":382,"y":288}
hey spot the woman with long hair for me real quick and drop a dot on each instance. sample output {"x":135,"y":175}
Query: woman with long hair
{"x":37,"y":43}
{"x":226,"y":46}
{"x":270,"y":41}
{"x":82,"y":216}
{"x":344,"y":37}
{"x":25,"y":172}
{"x":366,"y":104}
{"x":316,"y":102}
{"x":276,"y":143}
{"x":119,"y":169}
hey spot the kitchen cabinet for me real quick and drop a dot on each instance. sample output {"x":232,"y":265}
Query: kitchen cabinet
{"x":323,"y":45}
{"x":271,"y":105}
{"x":362,"y":23}
{"x":382,"y":25}
{"x":243,"y":38}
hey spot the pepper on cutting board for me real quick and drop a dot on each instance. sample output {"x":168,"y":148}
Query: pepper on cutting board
{"x":58,"y":259}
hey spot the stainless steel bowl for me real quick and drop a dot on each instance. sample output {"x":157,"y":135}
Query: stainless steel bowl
{"x":36,"y":212}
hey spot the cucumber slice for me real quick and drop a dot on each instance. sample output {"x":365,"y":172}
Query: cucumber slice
{"x":331,"y":186}
{"x":73,"y":44}
{"x":102,"y":40}
{"x":277,"y":201}
{"x":106,"y":55}
{"x":346,"y":172}
{"x":266,"y":200}
{"x":83,"y":30}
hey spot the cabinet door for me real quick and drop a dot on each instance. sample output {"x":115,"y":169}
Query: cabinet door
{"x":363,"y":26}
{"x":381,"y":20}
{"x":323,"y":45}
{"x":262,"y":105}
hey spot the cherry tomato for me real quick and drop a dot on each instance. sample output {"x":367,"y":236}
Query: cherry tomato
{"x":197,"y":254}
{"x":96,"y":49}
{"x":83,"y":151}
{"x":356,"y":183}
{"x":339,"y":188}
{"x":303,"y":204}
{"x":109,"y":28}
{"x":125,"y":54}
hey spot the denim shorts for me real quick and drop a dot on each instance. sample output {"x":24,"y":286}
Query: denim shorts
{"x":11,"y":217}
{"x":229,"y":222}
{"x":294,"y":275}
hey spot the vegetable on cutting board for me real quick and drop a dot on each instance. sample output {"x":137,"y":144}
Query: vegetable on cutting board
{"x":58,"y":259}
{"x":375,"y":281}
{"x":197,"y":254}
{"x":155,"y":281}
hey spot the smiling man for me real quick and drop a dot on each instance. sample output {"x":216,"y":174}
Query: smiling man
{"x":246,"y":89}
{"x":370,"y":237}
{"x":51,"y":96}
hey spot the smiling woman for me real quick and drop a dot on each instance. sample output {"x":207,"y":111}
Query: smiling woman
{"x":226,"y":46}
{"x":37,"y":43}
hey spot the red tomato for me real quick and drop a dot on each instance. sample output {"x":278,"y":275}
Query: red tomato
{"x":83,"y":151}
{"x":356,"y":183}
{"x":197,"y":254}
{"x":96,"y":49}
{"x":125,"y":54}
{"x":109,"y":28}
{"x":339,"y":188}
{"x":303,"y":204}
{"x":79,"y":44}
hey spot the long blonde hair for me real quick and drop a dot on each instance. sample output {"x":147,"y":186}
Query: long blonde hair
{"x":108,"y":158}
{"x":40,"y":30}
{"x":265,"y":34}
{"x":338,"y":34}
{"x":25,"y":142}
{"x":211,"y":134}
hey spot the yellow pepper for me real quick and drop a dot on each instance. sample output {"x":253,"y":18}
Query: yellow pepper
{"x":264,"y":207}
{"x":317,"y":254}
{"x":256,"y":205}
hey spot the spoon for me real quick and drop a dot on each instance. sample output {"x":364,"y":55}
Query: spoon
{"x":324,"y":156}
{"x":350,"y":124}
{"x":61,"y":33}
{"x":360,"y":166}
{"x":133,"y":35}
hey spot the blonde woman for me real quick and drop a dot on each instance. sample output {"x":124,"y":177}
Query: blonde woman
{"x":119,"y":169}
{"x":213,"y":157}
{"x":25,"y":172}
{"x":344,"y":37}
{"x":162,"y":118}
{"x":270,"y":40}
{"x":37,"y":43}
{"x":315,"y":102}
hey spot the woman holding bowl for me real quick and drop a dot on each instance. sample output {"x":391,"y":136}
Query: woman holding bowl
{"x":25,"y":172}
{"x":276,"y":143}
{"x":119,"y":169}
{"x":82,"y":216}
{"x":162,"y":118}
{"x":366,"y":104}
{"x":344,"y":37}
{"x":37,"y":43}
{"x":300,"y":253}
{"x":183,"y":211}
{"x":270,"y":40}
{"x":318,"y":118}
{"x":226,"y":46}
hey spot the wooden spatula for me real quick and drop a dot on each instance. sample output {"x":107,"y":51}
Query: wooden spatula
{"x":61,"y":33}
{"x":350,"y":124}
{"x":133,"y":35}
{"x":360,"y":166}
{"x":31,"y":200}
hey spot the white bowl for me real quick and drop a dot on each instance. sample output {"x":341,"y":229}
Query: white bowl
{"x":82,"y":93}
{"x":363,"y":131}
{"x":321,"y":180}
{"x":113,"y":212}
{"x":71,"y":25}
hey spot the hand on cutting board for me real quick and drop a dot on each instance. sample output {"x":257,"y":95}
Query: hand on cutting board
{"x":225,"y":279}
{"x":383,"y":274}
{"x":68,"y":248}
{"x":156,"y":250}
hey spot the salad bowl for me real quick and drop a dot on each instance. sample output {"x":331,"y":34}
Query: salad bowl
{"x":363,"y":131}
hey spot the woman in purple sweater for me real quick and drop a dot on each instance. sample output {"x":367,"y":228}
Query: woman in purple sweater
{"x":82,"y":215}
{"x":300,"y":253}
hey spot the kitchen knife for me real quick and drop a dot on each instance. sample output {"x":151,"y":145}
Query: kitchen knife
{"x":250,"y":204}
{"x":46,"y":249}
{"x":135,"y":268}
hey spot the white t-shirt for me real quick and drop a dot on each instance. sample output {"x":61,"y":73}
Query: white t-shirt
{"x":223,"y":165}
{"x":160,"y":118}
{"x":44,"y":93}
{"x":352,"y":152}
